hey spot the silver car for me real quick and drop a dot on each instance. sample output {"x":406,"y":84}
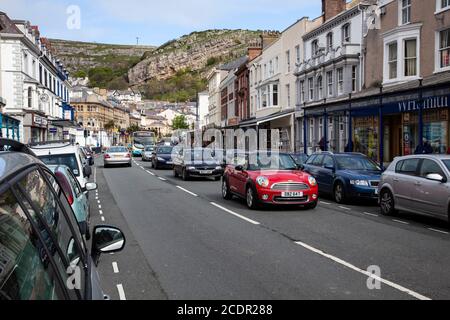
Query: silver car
{"x":418,"y":184}
{"x":117,"y":156}
{"x":147,"y":155}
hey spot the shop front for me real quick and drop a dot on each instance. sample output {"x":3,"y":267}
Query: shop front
{"x":35,"y":127}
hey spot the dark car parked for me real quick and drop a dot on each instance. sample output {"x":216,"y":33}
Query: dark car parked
{"x":40,"y":237}
{"x":162,"y":158}
{"x":345,"y":176}
{"x":198,"y":163}
{"x":299,"y":158}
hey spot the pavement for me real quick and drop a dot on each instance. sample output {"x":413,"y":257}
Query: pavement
{"x":185,"y":242}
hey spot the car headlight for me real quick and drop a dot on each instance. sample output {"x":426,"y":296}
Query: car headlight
{"x":263,"y":181}
{"x":161,"y":159}
{"x":218,"y":168}
{"x":363,"y":183}
{"x":312,"y":181}
{"x":191,"y":168}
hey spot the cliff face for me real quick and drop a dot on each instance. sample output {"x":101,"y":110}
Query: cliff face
{"x":199,"y":52}
{"x":83,"y":56}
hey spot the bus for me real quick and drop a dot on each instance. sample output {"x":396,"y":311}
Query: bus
{"x":140,"y":140}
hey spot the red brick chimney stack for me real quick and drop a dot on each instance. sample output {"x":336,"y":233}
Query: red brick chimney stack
{"x":331,"y":8}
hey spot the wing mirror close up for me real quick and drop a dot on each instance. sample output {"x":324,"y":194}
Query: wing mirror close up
{"x":106,"y":239}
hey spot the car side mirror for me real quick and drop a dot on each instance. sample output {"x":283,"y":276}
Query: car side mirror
{"x":106,"y":239}
{"x":436,"y":177}
{"x":91,"y":186}
{"x":239,"y":168}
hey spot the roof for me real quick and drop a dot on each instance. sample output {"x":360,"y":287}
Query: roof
{"x":7,"y":25}
{"x":234,"y":64}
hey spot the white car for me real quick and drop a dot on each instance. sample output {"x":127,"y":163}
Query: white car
{"x":65,"y":153}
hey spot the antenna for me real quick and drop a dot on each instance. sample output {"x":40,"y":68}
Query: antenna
{"x":137,"y":41}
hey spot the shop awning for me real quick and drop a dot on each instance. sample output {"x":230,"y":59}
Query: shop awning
{"x":64,"y":124}
{"x":275,"y":116}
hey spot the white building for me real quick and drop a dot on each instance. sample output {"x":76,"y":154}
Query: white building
{"x":214,"y":113}
{"x":329,"y":70}
{"x":126,"y":96}
{"x":203,"y":108}
{"x":34,"y":83}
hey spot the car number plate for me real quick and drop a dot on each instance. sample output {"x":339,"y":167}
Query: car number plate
{"x":292,"y":194}
{"x":206,"y":172}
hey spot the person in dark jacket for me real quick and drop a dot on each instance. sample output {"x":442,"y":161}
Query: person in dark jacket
{"x":424,"y":148}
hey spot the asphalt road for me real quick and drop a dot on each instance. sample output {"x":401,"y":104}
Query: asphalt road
{"x":186,"y":242}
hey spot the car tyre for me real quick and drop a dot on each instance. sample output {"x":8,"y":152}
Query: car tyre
{"x":387,"y":203}
{"x":251,"y":198}
{"x":339,"y":193}
{"x":312,"y":205}
{"x":226,"y":192}
{"x":185,"y":175}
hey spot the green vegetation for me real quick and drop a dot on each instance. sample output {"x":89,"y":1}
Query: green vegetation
{"x":179,"y":122}
{"x":180,"y":88}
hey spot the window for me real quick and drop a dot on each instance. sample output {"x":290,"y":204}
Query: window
{"x":444,"y":4}
{"x":410,"y":58}
{"x":346,"y":34}
{"x":314,"y":48}
{"x":319,"y":88}
{"x":302,"y":91}
{"x":444,"y":48}
{"x":266,"y":74}
{"x":328,"y":162}
{"x":25,"y":63}
{"x":408,"y":167}
{"x":405,"y":11}
{"x":340,"y":80}
{"x":288,"y":95}
{"x":392,"y":62}
{"x":30,"y":97}
{"x":25,"y":270}
{"x":311,"y":89}
{"x":264,"y":97}
{"x":354,"y":78}
{"x":275,"y":95}
{"x":288,"y":60}
{"x":330,"y":41}
{"x":430,"y":167}
{"x":297,"y":53}
{"x":34,"y":68}
{"x":277,"y":64}
{"x":271,"y":68}
{"x":40,"y":73}
{"x":330,"y":83}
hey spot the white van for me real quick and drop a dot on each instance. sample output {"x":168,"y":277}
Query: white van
{"x":65,"y":153}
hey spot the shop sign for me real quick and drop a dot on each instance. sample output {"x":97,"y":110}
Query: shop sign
{"x":430,"y":103}
{"x":53,"y":130}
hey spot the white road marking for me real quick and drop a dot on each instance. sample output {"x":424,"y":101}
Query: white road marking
{"x":162,"y":179}
{"x":366,"y":273}
{"x":187,"y":191}
{"x":399,"y":221}
{"x":345,"y":208}
{"x":327,"y":203}
{"x":371,"y":214}
{"x":96,"y":198}
{"x":103,"y":219}
{"x":121,"y":292}
{"x":115,"y":267}
{"x":101,"y":212}
{"x":99,"y":207}
{"x":150,"y":172}
{"x":95,"y":174}
{"x":235,"y":214}
{"x":440,"y":231}
{"x":99,"y":202}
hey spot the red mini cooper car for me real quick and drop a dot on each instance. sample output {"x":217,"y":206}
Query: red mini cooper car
{"x":279,"y":182}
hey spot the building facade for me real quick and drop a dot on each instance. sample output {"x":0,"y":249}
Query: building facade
{"x":34,"y":83}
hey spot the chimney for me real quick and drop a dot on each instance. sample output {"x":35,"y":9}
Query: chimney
{"x":331,"y":8}
{"x":269,"y":37}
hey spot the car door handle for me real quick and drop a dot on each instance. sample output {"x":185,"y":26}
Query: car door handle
{"x":396,"y":180}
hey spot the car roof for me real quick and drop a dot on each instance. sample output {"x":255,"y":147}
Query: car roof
{"x":56,"y":148}
{"x":425,"y":156}
{"x":13,"y":162}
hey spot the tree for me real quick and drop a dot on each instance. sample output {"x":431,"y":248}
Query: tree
{"x":110,"y":126}
{"x":179,"y":122}
{"x":133,"y":128}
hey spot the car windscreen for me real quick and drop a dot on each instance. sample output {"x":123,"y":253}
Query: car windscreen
{"x":149,"y":149}
{"x":271,"y":162}
{"x":68,"y":160}
{"x":164,"y":150}
{"x":117,"y":150}
{"x":356,"y":163}
{"x":447,"y":163}
{"x":143,"y":141}
{"x":300,"y":158}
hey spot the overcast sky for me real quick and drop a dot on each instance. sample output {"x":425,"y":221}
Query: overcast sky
{"x":154,"y":22}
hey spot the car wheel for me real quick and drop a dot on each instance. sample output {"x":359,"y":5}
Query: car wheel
{"x":251,"y":199}
{"x":226,"y":193}
{"x":106,"y":166}
{"x":339,"y":193}
{"x":185,"y":175}
{"x":387,"y":203}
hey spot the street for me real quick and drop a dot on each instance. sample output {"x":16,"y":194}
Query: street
{"x":185,"y":242}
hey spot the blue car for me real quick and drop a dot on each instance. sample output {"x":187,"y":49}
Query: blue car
{"x":345,"y":176}
{"x":162,"y":158}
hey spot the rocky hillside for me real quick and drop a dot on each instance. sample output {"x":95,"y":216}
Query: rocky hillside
{"x":83,"y":56}
{"x":198,"y":52}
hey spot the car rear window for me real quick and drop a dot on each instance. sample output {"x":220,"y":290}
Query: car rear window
{"x":165,"y":150}
{"x":117,"y":150}
{"x":69,"y":160}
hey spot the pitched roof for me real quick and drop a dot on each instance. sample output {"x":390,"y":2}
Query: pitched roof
{"x":234,"y":64}
{"x":7,"y":25}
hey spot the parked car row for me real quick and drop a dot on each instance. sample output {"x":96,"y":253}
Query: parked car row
{"x":43,"y":217}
